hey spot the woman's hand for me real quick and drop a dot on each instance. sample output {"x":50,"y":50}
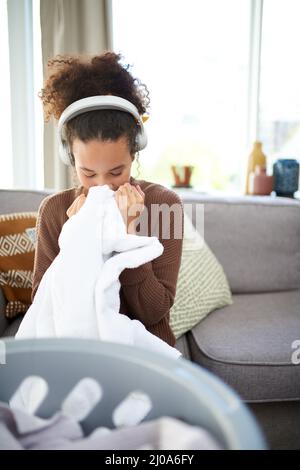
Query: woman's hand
{"x":130,"y":200}
{"x":76,"y":205}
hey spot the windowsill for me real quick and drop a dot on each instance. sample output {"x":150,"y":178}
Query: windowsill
{"x":214,"y":192}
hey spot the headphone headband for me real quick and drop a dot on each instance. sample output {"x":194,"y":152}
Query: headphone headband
{"x":93,"y":103}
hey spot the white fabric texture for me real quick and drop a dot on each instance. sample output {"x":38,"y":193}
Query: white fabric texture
{"x":78,"y":295}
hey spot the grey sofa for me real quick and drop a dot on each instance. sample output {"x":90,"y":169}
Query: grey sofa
{"x":247,"y":344}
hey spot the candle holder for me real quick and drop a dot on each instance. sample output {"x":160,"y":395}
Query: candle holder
{"x":182,"y":176}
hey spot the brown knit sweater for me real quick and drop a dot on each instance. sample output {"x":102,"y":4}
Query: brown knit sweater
{"x":147,"y":293}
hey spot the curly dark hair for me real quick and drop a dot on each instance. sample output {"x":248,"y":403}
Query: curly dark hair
{"x":72,"y":78}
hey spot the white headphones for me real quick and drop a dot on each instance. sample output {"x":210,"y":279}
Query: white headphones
{"x":93,"y":103}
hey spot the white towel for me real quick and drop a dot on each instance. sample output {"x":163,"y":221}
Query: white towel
{"x":78,"y":295}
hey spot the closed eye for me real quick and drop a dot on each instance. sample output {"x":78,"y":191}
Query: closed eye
{"x":113,"y":174}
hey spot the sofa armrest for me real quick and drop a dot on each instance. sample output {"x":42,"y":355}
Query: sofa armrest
{"x":3,"y":320}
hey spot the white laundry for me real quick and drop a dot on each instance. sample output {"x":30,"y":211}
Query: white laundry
{"x":78,"y":295}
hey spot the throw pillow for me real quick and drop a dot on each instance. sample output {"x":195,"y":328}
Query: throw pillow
{"x":17,"y":247}
{"x":202,"y":284}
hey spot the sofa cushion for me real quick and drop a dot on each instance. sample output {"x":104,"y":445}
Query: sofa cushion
{"x":202,"y":285}
{"x":249,"y":345}
{"x":16,"y":260}
{"x":255,"y":238}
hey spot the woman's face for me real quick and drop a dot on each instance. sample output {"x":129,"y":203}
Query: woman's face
{"x":99,"y":162}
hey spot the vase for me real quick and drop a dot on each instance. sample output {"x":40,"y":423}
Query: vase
{"x":286,"y":177}
{"x":256,"y":157}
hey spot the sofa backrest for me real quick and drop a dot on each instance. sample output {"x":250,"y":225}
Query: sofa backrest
{"x":256,"y":239}
{"x":21,"y":200}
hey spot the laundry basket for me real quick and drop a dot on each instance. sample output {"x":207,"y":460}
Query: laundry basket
{"x":177,"y":388}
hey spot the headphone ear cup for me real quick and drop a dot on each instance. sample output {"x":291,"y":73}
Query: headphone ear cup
{"x":63,"y":148}
{"x":65,"y":153}
{"x":141,"y":139}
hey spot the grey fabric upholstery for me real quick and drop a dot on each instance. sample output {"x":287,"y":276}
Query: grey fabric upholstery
{"x":21,"y":200}
{"x":279,"y":422}
{"x":183,"y":346}
{"x":249,"y":345}
{"x":13,"y":326}
{"x":256,"y":239}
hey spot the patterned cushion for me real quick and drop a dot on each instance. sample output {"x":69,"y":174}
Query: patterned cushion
{"x":16,"y":260}
{"x":202,"y":284}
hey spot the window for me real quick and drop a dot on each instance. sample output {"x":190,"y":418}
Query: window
{"x":6,"y":167}
{"x":21,"y":112}
{"x":279,"y":105}
{"x":193,"y":56}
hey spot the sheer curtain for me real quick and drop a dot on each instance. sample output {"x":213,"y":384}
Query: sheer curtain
{"x":69,"y":27}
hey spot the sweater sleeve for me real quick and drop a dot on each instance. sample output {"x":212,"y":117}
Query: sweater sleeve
{"x":47,"y":248}
{"x":149,"y":290}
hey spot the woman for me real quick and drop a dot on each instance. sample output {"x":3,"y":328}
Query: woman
{"x":102,"y":147}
